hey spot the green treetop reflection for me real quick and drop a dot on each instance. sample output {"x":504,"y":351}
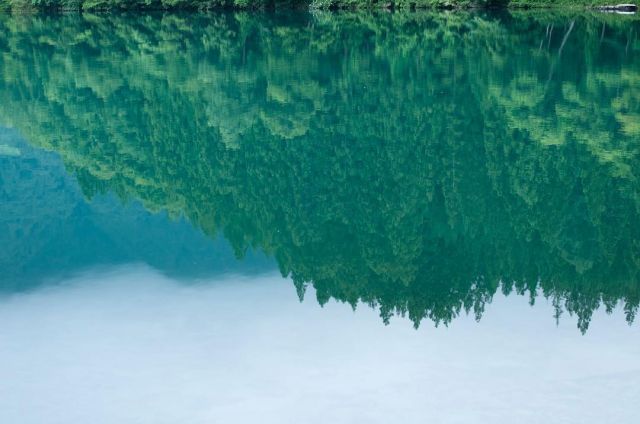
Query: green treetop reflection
{"x":418,"y":163}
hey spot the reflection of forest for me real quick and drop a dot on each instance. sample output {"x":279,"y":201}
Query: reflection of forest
{"x":414,"y":162}
{"x":48,"y":231}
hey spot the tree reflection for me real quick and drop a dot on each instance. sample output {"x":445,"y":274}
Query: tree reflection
{"x":418,"y":163}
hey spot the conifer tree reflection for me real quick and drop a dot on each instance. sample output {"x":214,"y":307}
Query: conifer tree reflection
{"x":416,"y":163}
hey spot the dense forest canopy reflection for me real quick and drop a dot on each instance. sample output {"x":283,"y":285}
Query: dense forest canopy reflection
{"x":418,"y":163}
{"x":49,"y":232}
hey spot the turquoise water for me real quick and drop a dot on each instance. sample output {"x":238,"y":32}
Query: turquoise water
{"x":180,"y":194}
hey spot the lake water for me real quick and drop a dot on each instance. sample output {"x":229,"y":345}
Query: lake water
{"x":317,"y":217}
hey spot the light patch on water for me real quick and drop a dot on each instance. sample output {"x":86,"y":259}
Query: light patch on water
{"x":129,"y":345}
{"x":6,"y":150}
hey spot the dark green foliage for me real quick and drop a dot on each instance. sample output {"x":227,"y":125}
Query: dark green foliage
{"x":418,"y":163}
{"x":114,"y":5}
{"x":103,"y":5}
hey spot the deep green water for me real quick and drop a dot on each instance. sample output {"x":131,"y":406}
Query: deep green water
{"x":178,"y":192}
{"x":418,"y":163}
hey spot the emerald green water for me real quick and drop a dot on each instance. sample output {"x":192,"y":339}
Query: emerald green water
{"x":421,"y":165}
{"x":412,"y":161}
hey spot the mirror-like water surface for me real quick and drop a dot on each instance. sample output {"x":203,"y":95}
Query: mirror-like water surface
{"x":131,"y":346}
{"x":477,"y":173}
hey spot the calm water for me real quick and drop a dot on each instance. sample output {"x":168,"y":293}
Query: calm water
{"x":180,"y":194}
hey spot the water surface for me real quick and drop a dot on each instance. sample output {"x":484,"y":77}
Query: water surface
{"x":179,"y":194}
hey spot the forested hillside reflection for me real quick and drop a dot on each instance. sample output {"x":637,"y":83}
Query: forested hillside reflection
{"x":418,"y":163}
{"x":49,"y":232}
